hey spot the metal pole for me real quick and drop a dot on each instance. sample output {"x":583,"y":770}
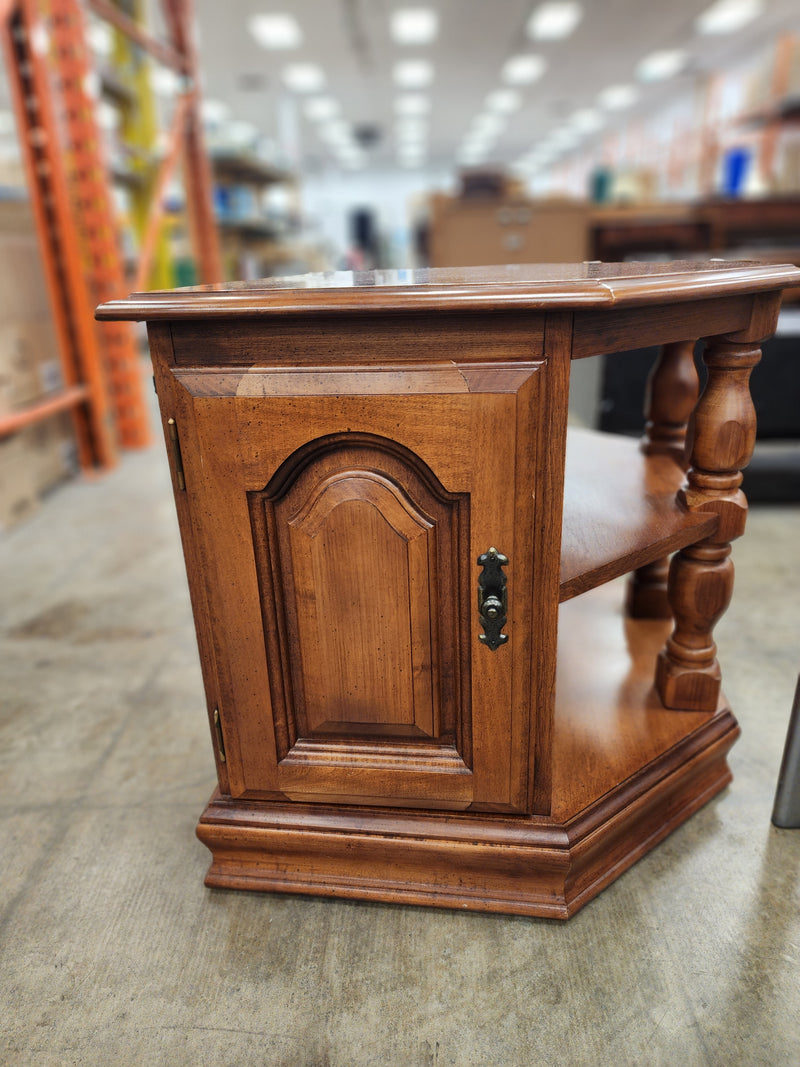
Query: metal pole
{"x":786,"y":812}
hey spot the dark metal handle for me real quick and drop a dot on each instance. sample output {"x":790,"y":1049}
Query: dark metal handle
{"x":492,"y":598}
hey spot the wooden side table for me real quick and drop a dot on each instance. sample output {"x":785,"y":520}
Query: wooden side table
{"x":383,"y":518}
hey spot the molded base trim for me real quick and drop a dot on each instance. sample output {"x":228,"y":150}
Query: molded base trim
{"x":508,"y":864}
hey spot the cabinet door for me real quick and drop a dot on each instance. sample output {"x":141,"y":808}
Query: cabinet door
{"x":339,"y":515}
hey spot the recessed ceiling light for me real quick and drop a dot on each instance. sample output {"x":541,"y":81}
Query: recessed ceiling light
{"x":504,"y":101}
{"x":412,"y":104}
{"x":242,"y":134}
{"x":108,"y":116}
{"x":214,"y":111}
{"x":414,"y":25}
{"x":303,"y":77}
{"x":336,"y":131}
{"x":564,"y":137}
{"x":101,"y":38}
{"x":727,"y":16}
{"x":522,"y":70}
{"x":163,"y":81}
{"x":554,"y":19}
{"x":618,"y":97}
{"x":587,"y":120}
{"x":320,"y":108}
{"x":410,"y":137}
{"x":661,"y":65}
{"x":275,"y":31}
{"x":411,"y":126}
{"x":413,"y":73}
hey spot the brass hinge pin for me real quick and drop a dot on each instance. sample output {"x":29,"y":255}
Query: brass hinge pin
{"x":172,"y":428}
{"x":218,"y":732}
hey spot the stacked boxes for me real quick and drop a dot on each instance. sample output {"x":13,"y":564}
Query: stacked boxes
{"x":36,"y":458}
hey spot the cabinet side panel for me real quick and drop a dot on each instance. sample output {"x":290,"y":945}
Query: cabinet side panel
{"x":552,"y":437}
{"x":175,"y":403}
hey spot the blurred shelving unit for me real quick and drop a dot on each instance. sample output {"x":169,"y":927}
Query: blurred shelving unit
{"x":73,"y":178}
{"x":259,"y":231}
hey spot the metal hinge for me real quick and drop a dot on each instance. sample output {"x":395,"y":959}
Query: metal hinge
{"x":218,"y":732}
{"x":172,"y":428}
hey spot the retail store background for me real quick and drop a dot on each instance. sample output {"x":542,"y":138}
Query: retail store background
{"x":111,"y":950}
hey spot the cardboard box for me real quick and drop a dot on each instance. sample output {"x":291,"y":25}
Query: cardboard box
{"x":23,"y":292}
{"x":51,"y":451}
{"x":29,"y":365}
{"x":473,"y":233}
{"x":19,"y":494}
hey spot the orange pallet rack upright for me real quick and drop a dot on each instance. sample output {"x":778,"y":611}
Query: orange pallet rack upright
{"x":71,"y":300}
{"x":50,"y":69}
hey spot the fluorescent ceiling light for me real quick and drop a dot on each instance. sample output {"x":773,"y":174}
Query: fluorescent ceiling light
{"x":241,"y":133}
{"x":108,"y":117}
{"x":659,"y":66}
{"x":413,"y":73}
{"x":565,"y":137}
{"x":554,"y":19}
{"x":522,"y":70}
{"x":411,"y":127}
{"x":587,"y":120}
{"x":727,"y":16}
{"x":414,"y":25}
{"x":504,"y":101}
{"x":101,"y":38}
{"x":214,"y":111}
{"x":303,"y":77}
{"x":320,"y":108}
{"x":412,"y":104}
{"x":336,"y":131}
{"x":163,"y":81}
{"x":275,"y":31}
{"x":410,"y":138}
{"x":618,"y":97}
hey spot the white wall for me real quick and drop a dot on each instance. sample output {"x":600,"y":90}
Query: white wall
{"x":329,"y":197}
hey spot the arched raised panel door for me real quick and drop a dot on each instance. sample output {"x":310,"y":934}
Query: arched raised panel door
{"x":357,"y":552}
{"x":341,"y":515}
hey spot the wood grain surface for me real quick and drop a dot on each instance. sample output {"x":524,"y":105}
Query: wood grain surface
{"x":344,"y":448}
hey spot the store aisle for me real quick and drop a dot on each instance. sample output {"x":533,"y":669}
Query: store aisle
{"x":113,"y":952}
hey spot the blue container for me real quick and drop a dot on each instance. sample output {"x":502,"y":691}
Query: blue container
{"x":735,"y":166}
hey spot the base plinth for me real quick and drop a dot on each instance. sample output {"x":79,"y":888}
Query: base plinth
{"x":626,"y":772}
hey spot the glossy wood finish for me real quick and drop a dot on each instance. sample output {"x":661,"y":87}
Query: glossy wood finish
{"x":701,"y":575}
{"x":670,"y":398}
{"x":344,"y":449}
{"x":620,"y":511}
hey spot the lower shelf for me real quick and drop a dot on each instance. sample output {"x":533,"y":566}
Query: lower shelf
{"x":626,"y":773}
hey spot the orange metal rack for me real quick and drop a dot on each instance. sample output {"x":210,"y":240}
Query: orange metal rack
{"x":49,"y":64}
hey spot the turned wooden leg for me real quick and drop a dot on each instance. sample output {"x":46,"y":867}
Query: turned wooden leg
{"x":670,"y":397}
{"x":701,"y":576}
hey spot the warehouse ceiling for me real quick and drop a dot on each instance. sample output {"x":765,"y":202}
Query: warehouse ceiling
{"x":350,"y":42}
{"x":488,"y":89}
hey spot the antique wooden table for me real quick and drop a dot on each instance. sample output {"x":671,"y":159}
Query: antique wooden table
{"x":420,"y":688}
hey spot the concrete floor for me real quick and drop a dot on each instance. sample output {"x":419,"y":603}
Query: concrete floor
{"x":112,"y":952}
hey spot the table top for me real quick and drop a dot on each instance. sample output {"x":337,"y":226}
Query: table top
{"x":514,"y":287}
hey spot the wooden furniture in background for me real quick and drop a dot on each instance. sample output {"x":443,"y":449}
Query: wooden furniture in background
{"x":382,"y":517}
{"x":468,"y":231}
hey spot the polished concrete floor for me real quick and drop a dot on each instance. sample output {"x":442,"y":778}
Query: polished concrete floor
{"x":112,"y":952}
